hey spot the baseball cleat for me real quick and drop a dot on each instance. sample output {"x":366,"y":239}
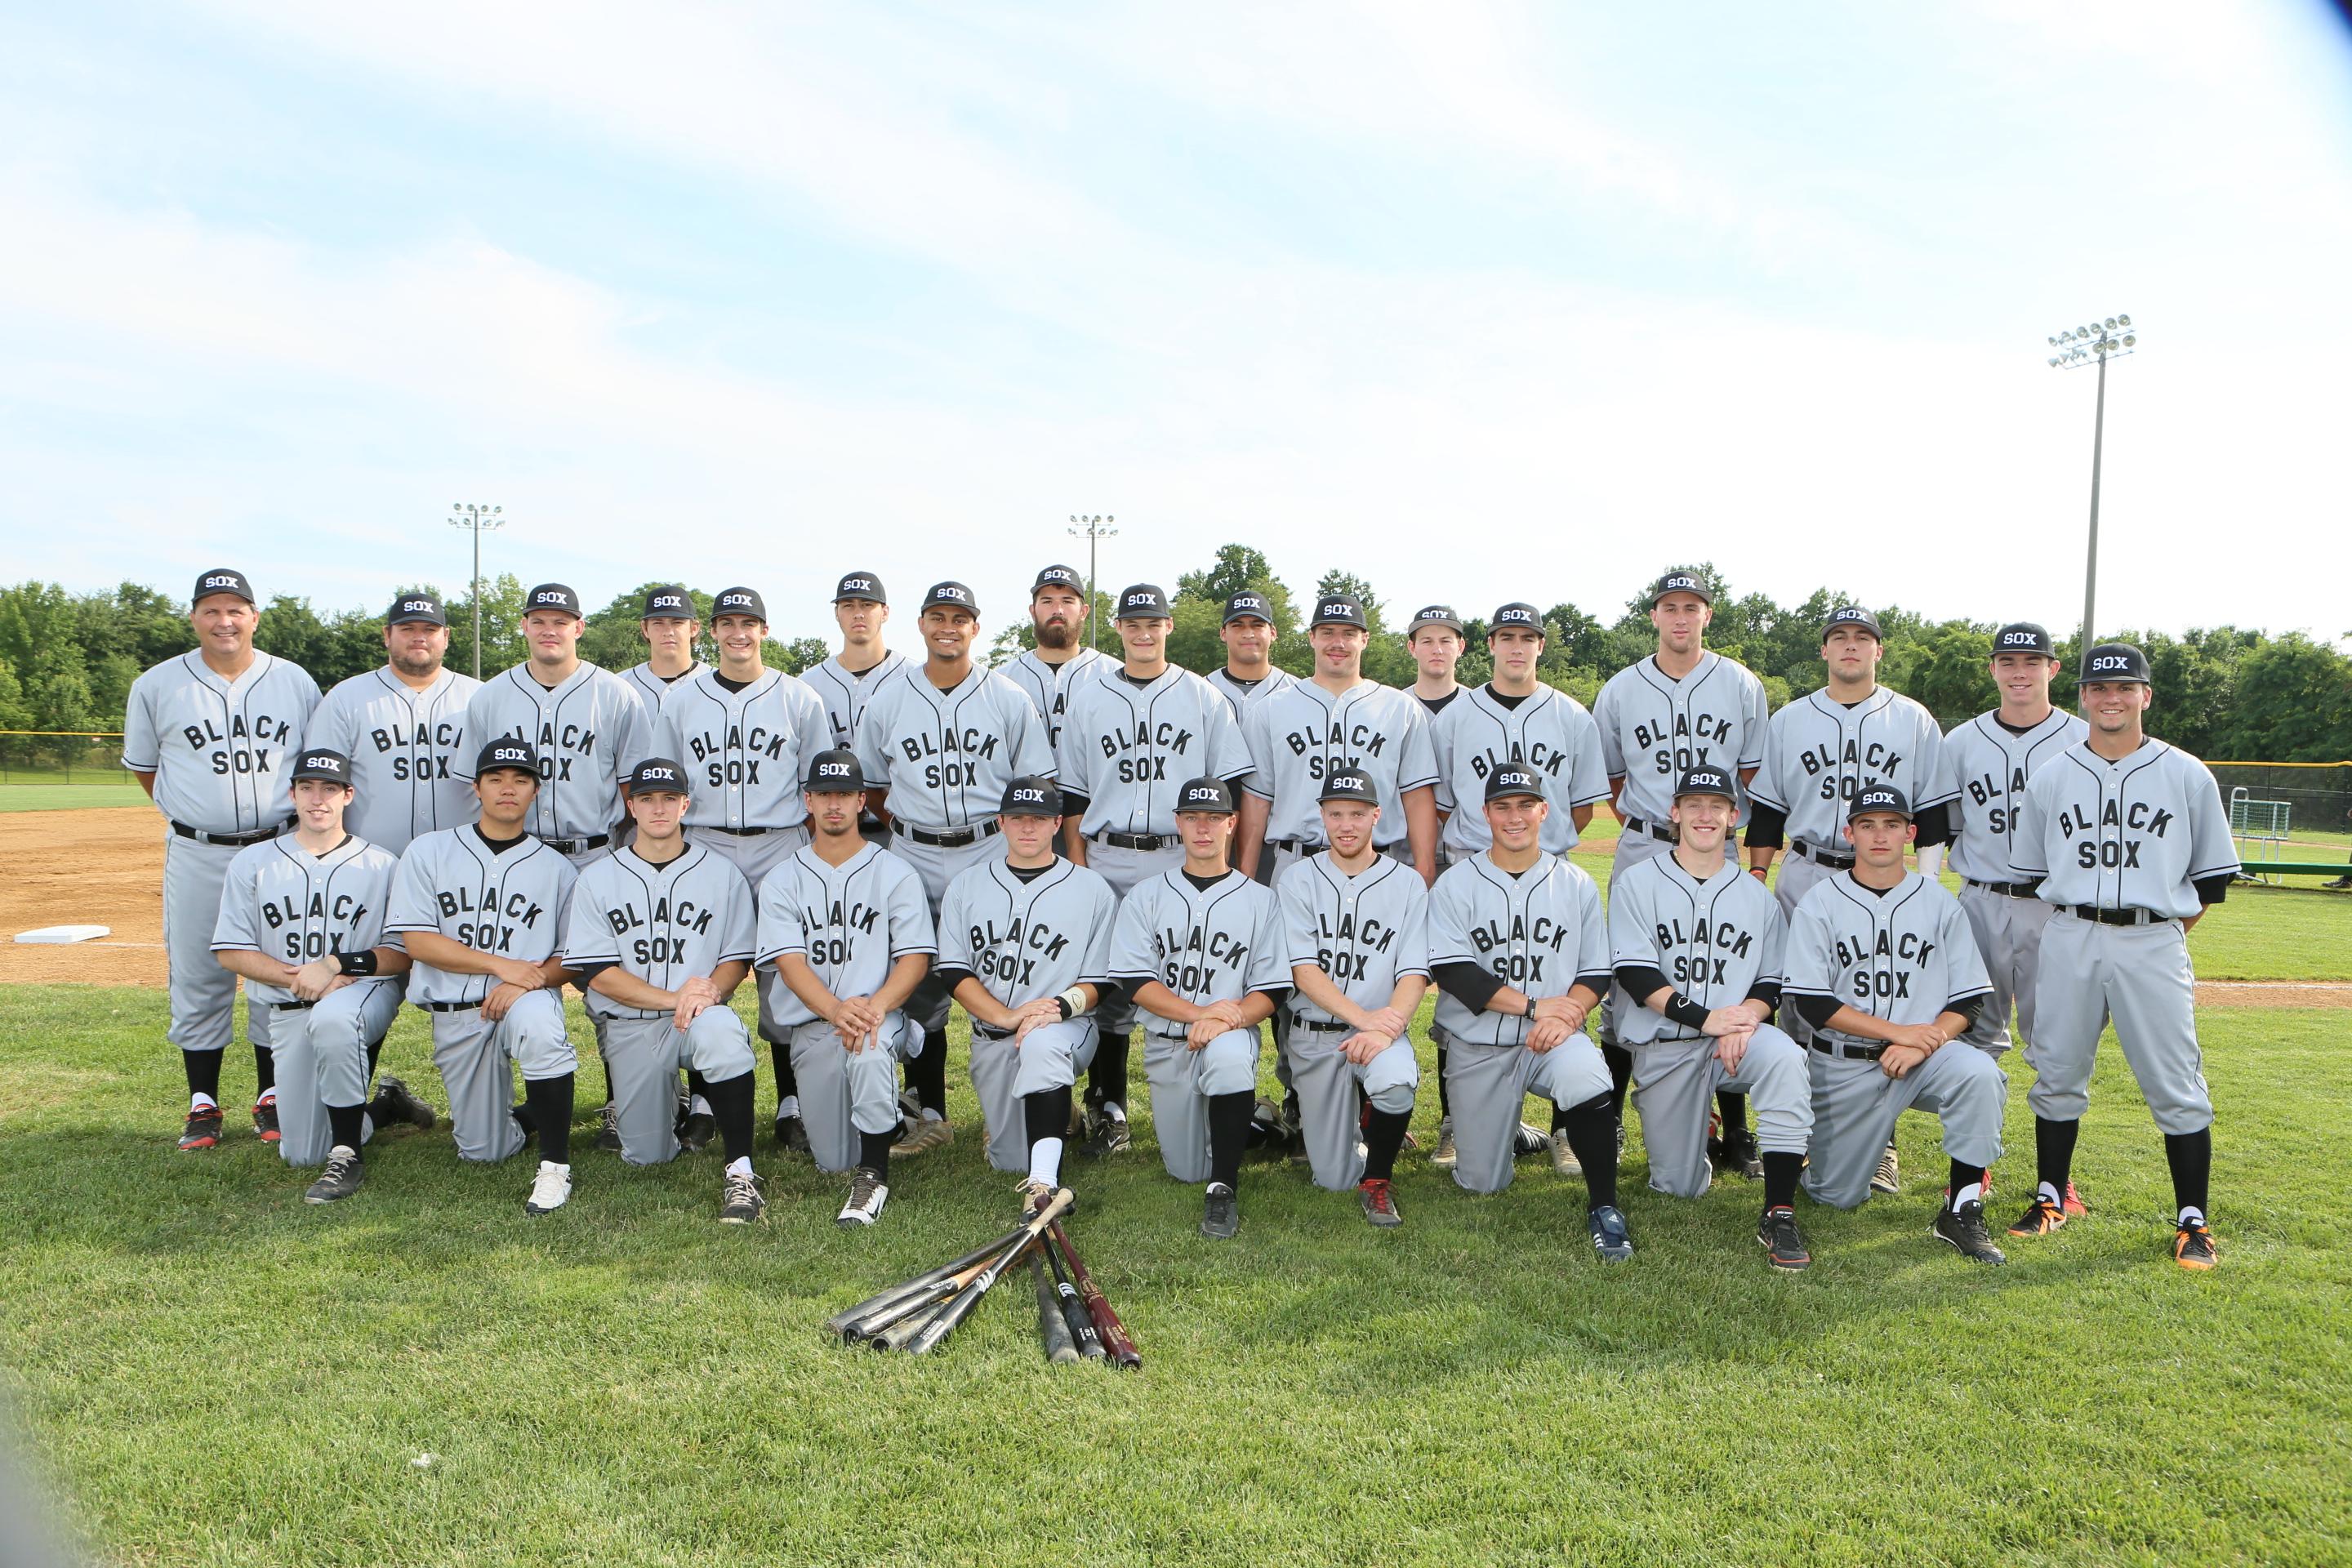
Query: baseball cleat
{"x":930,"y":1132}
{"x":608,"y":1128}
{"x":1221,"y":1213}
{"x":2192,"y":1246}
{"x":739,"y":1201}
{"x":1444,"y":1155}
{"x":1379,"y":1204}
{"x":202,"y":1130}
{"x":265,"y":1119}
{"x":1737,"y":1152}
{"x":1611,"y":1238}
{"x":1964,"y":1227}
{"x":696,"y":1131}
{"x":340,"y":1179}
{"x":792,"y":1135}
{"x":1529,"y":1140}
{"x":1112,"y":1138}
{"x":551,"y":1189}
{"x":1889,"y":1177}
{"x":867,"y":1195}
{"x":2040,"y":1217}
{"x":395,"y":1104}
{"x":1783,"y":1244}
{"x":1563,"y":1158}
{"x":2074,"y":1207}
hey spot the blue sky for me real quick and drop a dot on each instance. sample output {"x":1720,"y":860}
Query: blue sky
{"x":1477,"y":302}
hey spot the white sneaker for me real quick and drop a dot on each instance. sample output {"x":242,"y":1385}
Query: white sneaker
{"x":866,"y":1196}
{"x":552,"y":1191}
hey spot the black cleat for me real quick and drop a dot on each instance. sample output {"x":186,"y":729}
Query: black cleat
{"x":340,"y":1179}
{"x":1783,"y":1244}
{"x":792,"y":1135}
{"x":1964,"y":1227}
{"x":1221,"y":1213}
{"x":265,"y":1119}
{"x":1612,"y":1239}
{"x":202,"y":1130}
{"x":696,"y":1130}
{"x":608,"y":1128}
{"x":2192,"y":1246}
{"x":393,"y":1104}
{"x":1111,"y":1138}
{"x":739,"y":1201}
{"x":1736,"y":1151}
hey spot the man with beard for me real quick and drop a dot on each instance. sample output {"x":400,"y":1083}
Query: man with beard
{"x":1047,"y":673}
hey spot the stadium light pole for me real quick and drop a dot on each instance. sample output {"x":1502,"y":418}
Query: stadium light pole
{"x":476,"y":520}
{"x":1093,"y":530}
{"x":2071,"y":349}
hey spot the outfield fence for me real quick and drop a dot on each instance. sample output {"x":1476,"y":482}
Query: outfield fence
{"x":61,"y":757}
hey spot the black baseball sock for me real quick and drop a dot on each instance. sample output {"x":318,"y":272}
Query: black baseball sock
{"x":375,"y":1049}
{"x":788,"y":1086}
{"x":344,"y":1124}
{"x":1229,"y":1117}
{"x":1781,"y":1170}
{"x":1592,"y":1133}
{"x":730,"y":1102}
{"x":696,"y":1083}
{"x":265,"y":1070}
{"x":1964,"y":1177}
{"x":1106,"y":1079}
{"x":550,"y":1099}
{"x":1731,"y":1104}
{"x":927,"y":1075}
{"x":203,"y":1068}
{"x":2191,"y":1156}
{"x":1045,"y":1113}
{"x":524,"y":1119}
{"x":874,"y":1153}
{"x":1383,"y":1139}
{"x":1445,"y":1100}
{"x":1620,"y":1077}
{"x":1559,"y":1118}
{"x":2054,"y":1152}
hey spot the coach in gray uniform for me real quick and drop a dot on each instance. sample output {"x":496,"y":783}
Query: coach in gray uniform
{"x":1048,"y":674}
{"x":1882,"y":965}
{"x":211,"y":736}
{"x":2131,"y":845}
{"x":404,"y":728}
{"x":670,"y":628}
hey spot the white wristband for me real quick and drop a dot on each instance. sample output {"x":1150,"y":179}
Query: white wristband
{"x":1075,"y":998}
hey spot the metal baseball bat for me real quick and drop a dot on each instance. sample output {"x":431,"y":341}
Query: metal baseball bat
{"x":872,"y":1328}
{"x":1114,"y":1336}
{"x":840,"y":1321}
{"x":1053,"y":1329}
{"x":944,"y":1321}
{"x":1082,"y":1327}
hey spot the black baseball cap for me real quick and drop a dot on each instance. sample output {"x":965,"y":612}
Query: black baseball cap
{"x":740,"y":601}
{"x":1707,"y":780}
{"x":1030,"y":795}
{"x":2115,"y":661}
{"x":1879,"y":797}
{"x":1852,"y":615}
{"x":553,"y":596}
{"x":1347,"y":784}
{"x":1517,"y":613}
{"x":1514,"y":779}
{"x":1248,"y":604}
{"x":321,"y":764}
{"x":860,"y":586}
{"x":416,"y":607}
{"x":656,"y":775}
{"x":670,"y":602}
{"x":1207,"y":794}
{"x":836,"y":772}
{"x":1435,"y":615}
{"x":507,"y":751}
{"x":1059,"y":577}
{"x":221,"y":580}
{"x":1679,"y":581}
{"x":1340,"y":610}
{"x":2024,"y":637}
{"x":1141,"y":601}
{"x":950,"y":595}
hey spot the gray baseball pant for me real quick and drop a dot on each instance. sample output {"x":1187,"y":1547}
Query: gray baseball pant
{"x":322,"y":1060}
{"x":1798,"y":877}
{"x":202,"y":995}
{"x":477,"y":1059}
{"x":755,"y":857}
{"x":1674,"y":1085}
{"x":2009,"y":933}
{"x":928,"y":1007}
{"x":1327,"y":1082}
{"x":1488,"y":1085}
{"x":846,"y":1093}
{"x":643,"y":1056}
{"x":2139,"y":976}
{"x":1181,"y":1080}
{"x":1123,"y":869}
{"x":1005,"y":1073}
{"x":1855,"y":1105}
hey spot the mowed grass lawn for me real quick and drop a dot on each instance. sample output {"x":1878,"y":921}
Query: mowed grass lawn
{"x":213,"y":1373}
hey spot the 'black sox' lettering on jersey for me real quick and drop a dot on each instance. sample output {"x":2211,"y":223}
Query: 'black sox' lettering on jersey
{"x":245,"y":747}
{"x":1185,"y":955}
{"x":1361,"y":741}
{"x":735,"y":758}
{"x":343,"y":909}
{"x":1690,"y":743}
{"x":847,"y":920}
{"x":2141,"y":818}
{"x":1515,"y":967}
{"x":1700,"y":954}
{"x":1551,"y":759}
{"x":945,"y":763}
{"x":1876,"y":760}
{"x":496,"y":928}
{"x":1883,"y":949}
{"x":1011,"y":953}
{"x":560,"y":745}
{"x":441,"y":736}
{"x":1346,"y":944}
{"x":1986,"y":788}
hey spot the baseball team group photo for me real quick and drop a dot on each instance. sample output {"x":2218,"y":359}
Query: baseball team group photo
{"x":1697,"y":978}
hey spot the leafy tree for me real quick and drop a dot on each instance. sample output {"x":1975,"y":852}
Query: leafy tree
{"x":797,"y":657}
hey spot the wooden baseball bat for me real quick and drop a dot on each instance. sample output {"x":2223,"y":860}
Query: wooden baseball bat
{"x":943,"y":1322}
{"x":1115,"y":1338}
{"x":839,"y":1323}
{"x":874,"y":1327}
{"x":1082,"y":1327}
{"x":1053,"y":1329}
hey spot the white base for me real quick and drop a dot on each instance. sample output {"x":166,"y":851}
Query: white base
{"x":65,"y":934}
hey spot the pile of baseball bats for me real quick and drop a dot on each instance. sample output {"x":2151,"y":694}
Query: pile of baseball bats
{"x":1074,"y":1321}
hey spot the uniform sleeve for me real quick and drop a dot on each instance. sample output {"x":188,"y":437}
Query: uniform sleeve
{"x":480,"y":724}
{"x":1605,"y":720}
{"x":871,"y":758}
{"x":779,"y":929}
{"x":566,"y":880}
{"x":1131,"y":957}
{"x":1449,"y":923}
{"x":1257,"y":734}
{"x":741,"y":941}
{"x":637,"y":725}
{"x":1069,"y":756}
{"x":1228,"y":754}
{"x":1632,"y":938}
{"x":910,"y":916}
{"x":954,"y":944}
{"x":1811,"y":970}
{"x":1295,"y":898}
{"x":587,"y":937}
{"x":1417,"y":760}
{"x":2029,"y":848}
{"x":1588,"y":779}
{"x":309,"y":702}
{"x":1592,"y":941}
{"x":1937,"y":771}
{"x":1269,"y":968}
{"x":812,"y":732}
{"x":1413,"y":932}
{"x":141,"y":743}
{"x":413,"y":906}
{"x":1441,"y":751}
{"x":1963,"y":959}
{"x":334,"y":724}
{"x":1758,"y":725}
{"x":2212,"y":851}
{"x":1097,"y":970}
{"x":235,"y":930}
{"x":667,"y":730}
{"x":1773,"y":947}
{"x":1766,"y":789}
{"x":1032,"y":744}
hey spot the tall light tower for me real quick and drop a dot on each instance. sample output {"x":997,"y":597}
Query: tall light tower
{"x":2071,"y":349}
{"x":477,"y":520}
{"x":1093,"y":530}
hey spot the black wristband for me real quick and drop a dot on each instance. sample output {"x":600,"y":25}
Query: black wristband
{"x":363,"y":963}
{"x":1686,"y":1012}
{"x":1064,"y":1003}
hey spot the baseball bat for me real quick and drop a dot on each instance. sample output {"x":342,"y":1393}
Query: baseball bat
{"x":1115,"y":1340}
{"x":901,"y":1334}
{"x":1053,"y":1329}
{"x":943,"y":1322}
{"x":872,"y":1327}
{"x":840,"y":1321}
{"x":1082,"y":1327}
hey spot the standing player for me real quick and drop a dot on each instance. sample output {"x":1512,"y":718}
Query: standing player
{"x":212,"y":736}
{"x":1682,"y":708}
{"x":2131,"y":845}
{"x":1520,"y":955}
{"x":660,"y":935}
{"x":1883,"y":966}
{"x":1355,"y":926}
{"x":670,"y":628}
{"x":846,"y":682}
{"x":1249,"y":675}
{"x":404,"y":728}
{"x":1048,"y":673}
{"x":301,"y":919}
{"x":1434,"y":638}
{"x":845,"y":938}
{"x":1130,"y":739}
{"x":1201,"y":949}
{"x":937,"y":744}
{"x":1821,"y":752}
{"x":1697,"y":944}
{"x":483,"y":911}
{"x":1024,"y":945}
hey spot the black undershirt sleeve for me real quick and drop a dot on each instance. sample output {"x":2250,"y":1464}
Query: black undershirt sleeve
{"x":1935,"y":827}
{"x":950,"y":976}
{"x":1817,"y":1010}
{"x":1968,"y":1007}
{"x":1277,"y":994}
{"x":585,"y":973}
{"x":2213,"y":889}
{"x":1597,"y":983}
{"x":1469,"y":983}
{"x":1768,"y":827}
{"x":1641,"y":981}
{"x":1767,"y":991}
{"x":1073,"y":803}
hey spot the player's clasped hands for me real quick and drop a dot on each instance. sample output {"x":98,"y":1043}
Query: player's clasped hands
{"x":517,"y":980}
{"x":1216,"y":1019}
{"x":693,"y":996}
{"x":1033,"y":1015}
{"x":315,"y":978}
{"x":857,"y":1021}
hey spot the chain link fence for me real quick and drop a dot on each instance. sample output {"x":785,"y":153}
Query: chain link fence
{"x":61,"y":757}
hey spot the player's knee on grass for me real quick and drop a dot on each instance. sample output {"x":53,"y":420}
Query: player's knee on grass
{"x":718,"y":1045}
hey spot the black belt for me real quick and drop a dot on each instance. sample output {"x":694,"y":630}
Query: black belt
{"x":227,"y":840}
{"x":2116,"y":916}
{"x":577,"y":845}
{"x":1137,"y":840}
{"x":955,"y":840}
{"x":1319,"y":1025}
{"x":1823,"y":858}
{"x":451,"y":1007}
{"x":1663,"y":835}
{"x":1851,"y":1053}
{"x":290,"y":1006}
{"x":1301,"y":847}
{"x":733,"y":832}
{"x":2006,"y":890}
{"x":986,"y":1033}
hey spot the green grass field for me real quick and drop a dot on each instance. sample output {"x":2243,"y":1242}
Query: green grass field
{"x":215,"y":1373}
{"x":69,"y":796}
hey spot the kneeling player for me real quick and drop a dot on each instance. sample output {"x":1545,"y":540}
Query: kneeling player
{"x":1199,"y":949}
{"x":1884,"y":968}
{"x":1024,"y":945}
{"x":482,"y":911}
{"x":1520,"y":954}
{"x":845,"y":938}
{"x":1356,"y":928}
{"x":661,"y":933}
{"x":1696,"y":943}
{"x":301,"y":917}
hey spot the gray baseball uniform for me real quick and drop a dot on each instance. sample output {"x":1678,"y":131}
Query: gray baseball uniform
{"x":1242,"y":697}
{"x":844,"y":696}
{"x":1905,"y":955}
{"x":221,"y":751}
{"x":1217,"y":943}
{"x":1539,"y":930}
{"x":1655,"y":729}
{"x":1051,"y":687}
{"x":746,"y":752}
{"x":1300,"y":733}
{"x":1365,"y":933}
{"x":851,"y":922}
{"x":1024,"y":938}
{"x":403,"y":745}
{"x":1547,"y":731}
{"x":652,"y":689}
{"x":1991,"y":764}
{"x":516,"y":903}
{"x":589,"y":730}
{"x":1719,"y":942}
{"x":281,"y":901}
{"x":2128,"y":841}
{"x":664,"y":925}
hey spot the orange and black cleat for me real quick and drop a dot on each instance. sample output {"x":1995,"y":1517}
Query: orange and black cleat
{"x":203,"y":1130}
{"x":2192,"y":1246}
{"x":2040,"y":1217}
{"x":2074,"y":1207}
